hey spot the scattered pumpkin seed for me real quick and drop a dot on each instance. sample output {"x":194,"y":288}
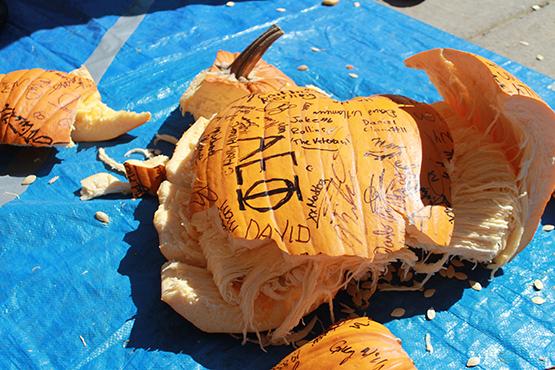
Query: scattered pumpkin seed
{"x":230,"y":4}
{"x":538,"y":285}
{"x":536,"y":7}
{"x":473,"y":361}
{"x":398,"y":312}
{"x":356,"y":4}
{"x":461,"y":276}
{"x":102,"y":217}
{"x":83,"y":341}
{"x":353,"y":75}
{"x":430,"y":313}
{"x":450,"y":272}
{"x":539,"y":57}
{"x":525,"y":43}
{"x":428,"y":340}
{"x":302,"y":68}
{"x":428,"y":293}
{"x":330,"y":2}
{"x":53,"y":180}
{"x":457,"y":263}
{"x":475,"y":285}
{"x":548,"y":228}
{"x":281,"y":10}
{"x":28,"y":180}
{"x":538,"y":300}
{"x":315,"y":49}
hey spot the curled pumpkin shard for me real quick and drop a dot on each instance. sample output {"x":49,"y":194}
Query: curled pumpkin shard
{"x":280,"y":200}
{"x":234,"y":75}
{"x":352,"y":344}
{"x":51,"y":108}
{"x":504,"y":153}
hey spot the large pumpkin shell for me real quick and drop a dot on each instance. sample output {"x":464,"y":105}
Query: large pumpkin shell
{"x":38,"y":107}
{"x":317,"y":175}
{"x":353,"y":344}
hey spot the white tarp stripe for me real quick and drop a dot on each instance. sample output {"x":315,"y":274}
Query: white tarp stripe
{"x":114,"y":39}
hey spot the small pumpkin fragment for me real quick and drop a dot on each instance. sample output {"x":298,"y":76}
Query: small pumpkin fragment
{"x":234,"y":75}
{"x":53,"y":108}
{"x":358,"y":343}
{"x":146,"y":176}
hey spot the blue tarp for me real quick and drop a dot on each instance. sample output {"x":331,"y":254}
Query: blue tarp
{"x":63,"y":275}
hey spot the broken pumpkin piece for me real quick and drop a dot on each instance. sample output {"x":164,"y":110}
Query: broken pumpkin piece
{"x":53,"y":108}
{"x":146,"y":176}
{"x":102,"y":184}
{"x":503,"y":172}
{"x":358,"y":343}
{"x":234,"y":75}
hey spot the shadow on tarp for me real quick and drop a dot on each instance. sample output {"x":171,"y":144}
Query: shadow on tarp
{"x":20,"y":161}
{"x":157,"y":327}
{"x":448,"y":293}
{"x":548,"y":217}
{"x":26,"y":17}
{"x":175,"y":125}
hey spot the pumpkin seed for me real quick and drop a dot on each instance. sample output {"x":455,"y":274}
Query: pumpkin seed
{"x":83,"y":341}
{"x":353,"y":75}
{"x":398,"y":312}
{"x":536,"y":7}
{"x":53,"y":180}
{"x":428,"y":293}
{"x":461,"y":276}
{"x":28,"y":180}
{"x":475,"y":285}
{"x":102,"y":217}
{"x":430,"y":313}
{"x":302,"y":68}
{"x":538,"y":300}
{"x":428,"y":340}
{"x":356,"y":4}
{"x":457,"y":263}
{"x":473,"y":361}
{"x":525,"y":43}
{"x":548,"y":228}
{"x":539,"y":57}
{"x":230,"y":4}
{"x":315,"y":49}
{"x":330,"y":2}
{"x":538,"y":285}
{"x":450,"y":272}
{"x":281,"y":10}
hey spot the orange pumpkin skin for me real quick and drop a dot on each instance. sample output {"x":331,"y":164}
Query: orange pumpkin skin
{"x":215,"y":88}
{"x":38,"y":107}
{"x":352,"y":344}
{"x":320,"y":176}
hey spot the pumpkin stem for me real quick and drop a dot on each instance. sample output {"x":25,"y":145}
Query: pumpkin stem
{"x":245,"y":62}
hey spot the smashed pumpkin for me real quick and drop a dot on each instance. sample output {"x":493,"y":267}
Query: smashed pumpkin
{"x":234,"y":75}
{"x":51,"y":108}
{"x":351,"y":344}
{"x":281,"y":199}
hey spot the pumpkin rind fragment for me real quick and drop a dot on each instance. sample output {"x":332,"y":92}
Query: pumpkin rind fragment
{"x":358,"y":343}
